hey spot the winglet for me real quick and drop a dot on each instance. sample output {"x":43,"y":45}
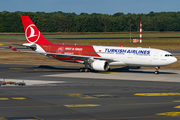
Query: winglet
{"x":13,"y":49}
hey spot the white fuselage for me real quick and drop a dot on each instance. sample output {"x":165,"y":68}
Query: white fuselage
{"x":130,"y":56}
{"x":127,"y":56}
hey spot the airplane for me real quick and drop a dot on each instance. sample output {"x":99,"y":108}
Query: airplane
{"x":94,"y":57}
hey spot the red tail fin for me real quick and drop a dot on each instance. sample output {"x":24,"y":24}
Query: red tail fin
{"x":33,"y":35}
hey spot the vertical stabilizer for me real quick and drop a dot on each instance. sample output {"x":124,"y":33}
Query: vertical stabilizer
{"x":33,"y":35}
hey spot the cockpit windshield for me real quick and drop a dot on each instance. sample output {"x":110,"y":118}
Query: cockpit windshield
{"x":168,"y":55}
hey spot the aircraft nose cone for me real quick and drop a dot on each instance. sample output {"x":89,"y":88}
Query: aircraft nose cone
{"x":171,"y":60}
{"x":174,"y":59}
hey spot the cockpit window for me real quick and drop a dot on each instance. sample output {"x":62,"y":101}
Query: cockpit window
{"x":167,"y":55}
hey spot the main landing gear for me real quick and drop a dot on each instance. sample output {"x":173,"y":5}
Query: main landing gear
{"x":86,"y":68}
{"x":157,"y":70}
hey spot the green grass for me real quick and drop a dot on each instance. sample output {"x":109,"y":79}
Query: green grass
{"x":91,"y":35}
{"x":113,"y":35}
{"x":11,"y":36}
{"x":166,"y":44}
{"x":27,"y":58}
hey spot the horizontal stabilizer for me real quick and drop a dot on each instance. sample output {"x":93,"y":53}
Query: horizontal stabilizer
{"x":13,"y":49}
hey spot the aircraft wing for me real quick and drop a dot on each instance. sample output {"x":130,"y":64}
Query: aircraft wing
{"x":81,"y":57}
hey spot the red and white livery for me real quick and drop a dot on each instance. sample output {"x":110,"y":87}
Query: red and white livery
{"x":140,"y":32}
{"x":94,"y":57}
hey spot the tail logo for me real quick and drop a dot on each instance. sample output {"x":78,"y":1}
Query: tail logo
{"x":32,"y":33}
{"x":60,"y":50}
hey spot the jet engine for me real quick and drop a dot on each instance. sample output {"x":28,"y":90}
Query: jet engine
{"x":100,"y":65}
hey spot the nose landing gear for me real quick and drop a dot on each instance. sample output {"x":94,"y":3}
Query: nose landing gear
{"x":157,"y":70}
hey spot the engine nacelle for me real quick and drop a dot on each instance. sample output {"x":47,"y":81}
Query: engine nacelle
{"x":100,"y":65}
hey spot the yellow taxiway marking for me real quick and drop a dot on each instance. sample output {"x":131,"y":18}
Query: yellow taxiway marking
{"x":4,"y":99}
{"x":42,"y":70}
{"x":17,"y":68}
{"x":144,"y":103}
{"x":2,"y":118}
{"x":157,"y":94}
{"x":177,"y":106}
{"x":83,"y":105}
{"x":169,"y":114}
{"x":18,"y":98}
{"x":31,"y":107}
{"x":81,"y":96}
{"x":26,"y":119}
{"x":90,"y":96}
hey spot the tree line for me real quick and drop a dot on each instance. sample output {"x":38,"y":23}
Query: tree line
{"x":95,"y":22}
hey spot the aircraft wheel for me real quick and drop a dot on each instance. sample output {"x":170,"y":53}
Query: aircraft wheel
{"x":87,"y":70}
{"x":81,"y":70}
{"x":156,"y":72}
{"x":84,"y":70}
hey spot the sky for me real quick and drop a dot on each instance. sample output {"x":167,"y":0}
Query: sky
{"x":91,"y":6}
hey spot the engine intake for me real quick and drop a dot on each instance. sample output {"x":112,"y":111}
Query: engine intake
{"x":100,"y":65}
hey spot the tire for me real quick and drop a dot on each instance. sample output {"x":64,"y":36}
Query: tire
{"x":86,"y":70}
{"x":156,"y":72}
{"x":81,"y":70}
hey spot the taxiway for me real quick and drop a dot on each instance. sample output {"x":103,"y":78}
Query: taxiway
{"x":62,"y":93}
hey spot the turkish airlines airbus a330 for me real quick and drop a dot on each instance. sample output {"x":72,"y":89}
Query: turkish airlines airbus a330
{"x":94,"y":57}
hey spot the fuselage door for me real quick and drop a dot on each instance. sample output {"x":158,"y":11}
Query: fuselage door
{"x":155,"y":56}
{"x":48,"y":48}
{"x":129,"y":55}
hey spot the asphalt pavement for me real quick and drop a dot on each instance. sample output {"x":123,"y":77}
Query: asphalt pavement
{"x":62,"y":93}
